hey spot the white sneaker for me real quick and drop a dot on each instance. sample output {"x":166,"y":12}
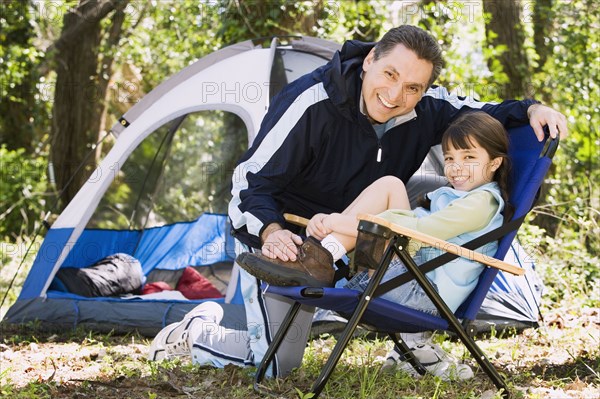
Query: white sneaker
{"x":437,"y":361}
{"x":173,"y":340}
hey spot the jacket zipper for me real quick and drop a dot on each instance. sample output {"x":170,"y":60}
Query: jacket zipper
{"x":380,"y":149}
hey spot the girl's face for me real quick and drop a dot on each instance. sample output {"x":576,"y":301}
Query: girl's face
{"x":470,"y":168}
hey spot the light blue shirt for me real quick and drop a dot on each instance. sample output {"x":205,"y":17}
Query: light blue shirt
{"x":457,"y":279}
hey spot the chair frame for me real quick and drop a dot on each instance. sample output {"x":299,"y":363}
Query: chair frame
{"x":398,"y":245}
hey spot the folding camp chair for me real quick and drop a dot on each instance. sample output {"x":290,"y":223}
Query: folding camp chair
{"x":530,"y":162}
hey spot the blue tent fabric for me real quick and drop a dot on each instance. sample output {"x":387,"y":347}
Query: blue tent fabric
{"x":165,"y":248}
{"x":53,"y":244}
{"x":170,"y":247}
{"x":96,"y":244}
{"x":202,"y":242}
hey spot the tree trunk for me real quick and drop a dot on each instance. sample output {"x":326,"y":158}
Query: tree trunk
{"x":106,"y":71}
{"x":79,"y":94}
{"x":504,"y":27}
{"x":543,"y":19}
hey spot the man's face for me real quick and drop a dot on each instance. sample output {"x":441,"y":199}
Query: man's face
{"x":393,"y":84}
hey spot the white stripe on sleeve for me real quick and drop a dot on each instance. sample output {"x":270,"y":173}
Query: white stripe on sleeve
{"x":270,"y":144}
{"x":457,"y":102}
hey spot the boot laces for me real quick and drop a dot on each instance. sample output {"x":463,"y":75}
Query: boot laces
{"x":301,"y":256}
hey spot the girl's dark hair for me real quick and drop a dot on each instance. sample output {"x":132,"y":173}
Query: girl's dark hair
{"x":489,"y":134}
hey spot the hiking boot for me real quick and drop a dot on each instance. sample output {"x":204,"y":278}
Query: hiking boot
{"x":313,"y":266}
{"x":437,"y":362}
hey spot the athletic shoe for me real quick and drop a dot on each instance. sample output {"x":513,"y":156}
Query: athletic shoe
{"x":175,"y":340}
{"x":437,"y":362}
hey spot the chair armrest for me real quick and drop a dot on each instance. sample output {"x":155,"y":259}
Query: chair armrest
{"x":444,"y":245}
{"x":295,"y":219}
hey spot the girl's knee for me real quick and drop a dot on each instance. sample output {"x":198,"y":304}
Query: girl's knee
{"x":390,"y":183}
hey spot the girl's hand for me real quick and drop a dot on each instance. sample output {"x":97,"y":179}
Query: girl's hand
{"x":316,"y":226}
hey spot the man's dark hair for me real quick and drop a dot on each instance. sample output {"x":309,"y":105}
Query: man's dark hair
{"x":416,"y":40}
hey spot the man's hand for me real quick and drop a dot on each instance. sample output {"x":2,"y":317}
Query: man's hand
{"x":280,"y":243}
{"x":540,"y":115}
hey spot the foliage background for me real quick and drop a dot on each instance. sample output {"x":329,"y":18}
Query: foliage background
{"x":552,"y":45}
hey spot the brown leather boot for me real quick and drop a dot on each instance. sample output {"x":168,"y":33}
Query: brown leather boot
{"x":313,"y":266}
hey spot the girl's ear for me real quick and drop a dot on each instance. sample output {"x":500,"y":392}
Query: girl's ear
{"x":495,"y":164}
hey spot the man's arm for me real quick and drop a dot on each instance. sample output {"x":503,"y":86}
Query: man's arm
{"x":511,"y":113}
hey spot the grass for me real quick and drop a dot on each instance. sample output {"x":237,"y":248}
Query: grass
{"x":552,"y":361}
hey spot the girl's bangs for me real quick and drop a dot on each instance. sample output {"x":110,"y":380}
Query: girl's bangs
{"x":457,"y":139}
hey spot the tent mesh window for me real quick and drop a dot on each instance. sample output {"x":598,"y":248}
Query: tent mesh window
{"x":177,"y":173}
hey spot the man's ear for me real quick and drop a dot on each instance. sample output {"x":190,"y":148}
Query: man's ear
{"x":369,"y":59}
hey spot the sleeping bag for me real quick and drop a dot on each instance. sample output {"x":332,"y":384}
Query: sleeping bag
{"x":114,"y":275}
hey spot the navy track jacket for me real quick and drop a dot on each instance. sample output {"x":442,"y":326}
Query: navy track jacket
{"x":315,"y":151}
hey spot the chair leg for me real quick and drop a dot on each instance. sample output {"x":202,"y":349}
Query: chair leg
{"x":348,"y":332}
{"x":447,"y":314}
{"x":333,"y":359}
{"x":482,"y":359}
{"x":407,"y":354}
{"x":275,"y":344}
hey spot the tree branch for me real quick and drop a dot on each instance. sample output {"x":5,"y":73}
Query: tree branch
{"x":88,"y":15}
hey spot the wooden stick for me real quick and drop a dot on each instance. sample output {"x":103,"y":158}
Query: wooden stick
{"x":295,"y":219}
{"x":444,"y":245}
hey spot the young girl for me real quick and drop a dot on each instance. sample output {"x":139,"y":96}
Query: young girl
{"x":476,"y":165}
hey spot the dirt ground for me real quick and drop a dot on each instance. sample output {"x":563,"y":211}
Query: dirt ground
{"x":558,"y":360}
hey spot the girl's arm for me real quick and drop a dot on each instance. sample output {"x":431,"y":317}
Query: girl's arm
{"x":470,"y":213}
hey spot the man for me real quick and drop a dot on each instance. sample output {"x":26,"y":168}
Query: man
{"x":368,"y":113}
